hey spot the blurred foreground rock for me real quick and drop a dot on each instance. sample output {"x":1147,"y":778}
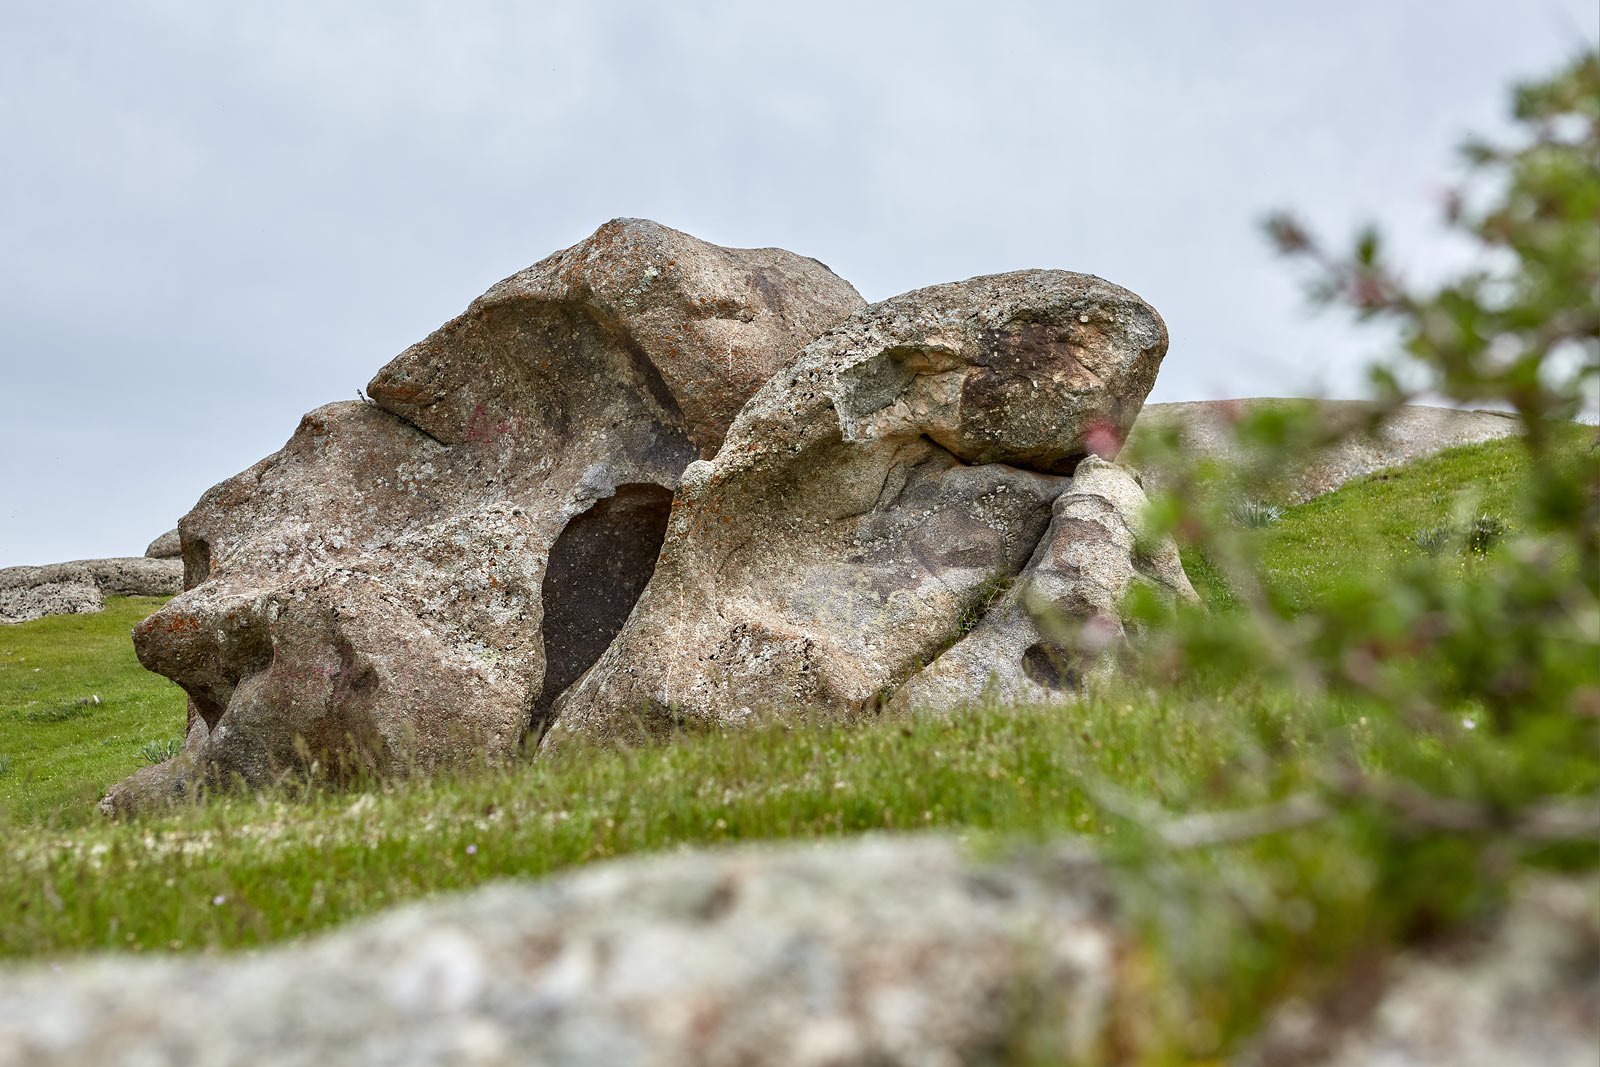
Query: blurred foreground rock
{"x":1525,"y":994}
{"x":881,"y":951}
{"x":876,"y":951}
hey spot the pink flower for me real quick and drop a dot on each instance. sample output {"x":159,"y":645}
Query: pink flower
{"x":1102,"y":439}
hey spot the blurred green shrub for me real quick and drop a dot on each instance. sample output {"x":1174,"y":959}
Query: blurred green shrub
{"x":1507,"y":643}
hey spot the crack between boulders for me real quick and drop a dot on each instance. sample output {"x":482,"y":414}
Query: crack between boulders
{"x":403,"y":419}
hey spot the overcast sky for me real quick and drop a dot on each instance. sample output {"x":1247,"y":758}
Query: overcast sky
{"x":215,"y":216}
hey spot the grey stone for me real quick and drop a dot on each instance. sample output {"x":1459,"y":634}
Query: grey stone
{"x":1526,"y":992}
{"x":864,"y":501}
{"x":884,"y":951}
{"x":28,"y":593}
{"x":135,"y":575}
{"x":409,"y":582}
{"x":1057,"y":625}
{"x":167,"y":546}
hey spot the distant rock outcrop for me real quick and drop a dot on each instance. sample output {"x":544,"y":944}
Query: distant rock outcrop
{"x":28,"y":593}
{"x":1412,"y":432}
{"x":167,"y":546}
{"x":80,"y":587}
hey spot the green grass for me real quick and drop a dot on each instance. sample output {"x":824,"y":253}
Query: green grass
{"x":1368,"y":524}
{"x":59,"y":748}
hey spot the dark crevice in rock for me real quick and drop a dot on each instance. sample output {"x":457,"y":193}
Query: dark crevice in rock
{"x":374,"y":402}
{"x":196,"y":553}
{"x":599,"y":566}
{"x":1050,"y":667}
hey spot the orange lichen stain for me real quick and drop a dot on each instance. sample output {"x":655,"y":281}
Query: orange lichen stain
{"x":399,"y":392}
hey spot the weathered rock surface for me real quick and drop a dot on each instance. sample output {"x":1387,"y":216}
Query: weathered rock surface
{"x":1411,"y":433}
{"x":408,"y":582}
{"x":28,"y":593}
{"x":1528,"y":993}
{"x":1052,"y":628}
{"x":167,"y":546}
{"x":873,"y":951}
{"x":865,"y":500}
{"x":79,"y":587}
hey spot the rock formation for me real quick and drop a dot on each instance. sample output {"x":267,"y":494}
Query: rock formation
{"x":410,"y":580}
{"x":1055,"y":625}
{"x":866,"y":499}
{"x":28,"y":593}
{"x":498,"y":543}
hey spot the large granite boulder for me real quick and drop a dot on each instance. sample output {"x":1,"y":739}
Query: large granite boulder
{"x":1059,"y":622}
{"x":409,"y":581}
{"x":80,"y":586}
{"x":868,"y":500}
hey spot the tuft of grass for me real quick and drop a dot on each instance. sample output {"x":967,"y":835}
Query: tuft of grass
{"x":161,"y":751}
{"x":1484,"y":533}
{"x":1431,"y":539}
{"x":62,"y":712}
{"x":1253,"y":514}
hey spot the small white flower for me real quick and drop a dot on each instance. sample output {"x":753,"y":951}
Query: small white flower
{"x":218,"y":901}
